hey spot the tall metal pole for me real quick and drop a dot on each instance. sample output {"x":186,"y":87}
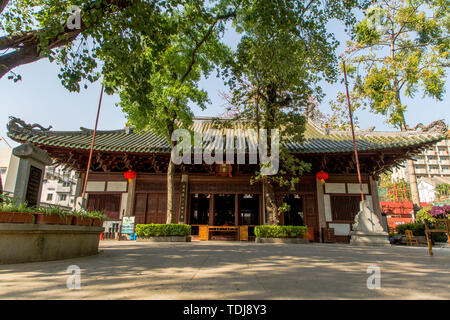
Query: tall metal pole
{"x":92,"y":143}
{"x":353,"y":131}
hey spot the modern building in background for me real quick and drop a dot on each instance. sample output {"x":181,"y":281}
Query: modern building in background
{"x":5,"y":156}
{"x":59,"y":186}
{"x":433,"y":162}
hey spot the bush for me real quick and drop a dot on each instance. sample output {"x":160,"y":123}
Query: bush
{"x":162,"y":230}
{"x":280,"y":231}
{"x":423,"y":214}
{"x":418,"y":229}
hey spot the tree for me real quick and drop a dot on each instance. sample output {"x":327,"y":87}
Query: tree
{"x":399,"y":48}
{"x":156,"y":80}
{"x":152,"y":53}
{"x":285,"y":51}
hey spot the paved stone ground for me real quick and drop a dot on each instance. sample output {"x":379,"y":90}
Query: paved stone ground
{"x":233,"y":270}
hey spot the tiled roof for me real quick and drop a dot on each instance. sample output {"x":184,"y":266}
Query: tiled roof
{"x":316,"y":139}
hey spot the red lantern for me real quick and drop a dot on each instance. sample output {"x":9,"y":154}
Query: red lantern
{"x":130,"y":175}
{"x":322,"y":176}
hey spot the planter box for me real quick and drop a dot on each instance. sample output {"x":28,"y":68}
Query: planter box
{"x":81,"y":221}
{"x":164,"y":239}
{"x":97,"y":222}
{"x":52,"y":219}
{"x":282,"y":240}
{"x":16,"y":217}
{"x":43,"y":242}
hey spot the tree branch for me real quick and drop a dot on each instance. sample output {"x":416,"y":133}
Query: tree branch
{"x":27,"y":44}
{"x":202,"y":41}
{"x":3,"y":4}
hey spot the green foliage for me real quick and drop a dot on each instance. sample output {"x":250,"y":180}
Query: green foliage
{"x":285,"y":51}
{"x":443,"y":189}
{"x":418,"y":229}
{"x":394,"y":191}
{"x":280,"y":231}
{"x":9,"y":204}
{"x":424,"y":214}
{"x":399,"y":48}
{"x":162,"y":230}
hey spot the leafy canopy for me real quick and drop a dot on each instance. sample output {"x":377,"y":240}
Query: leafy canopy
{"x":399,"y":48}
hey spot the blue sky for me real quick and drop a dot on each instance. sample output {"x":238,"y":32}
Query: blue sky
{"x":40,"y":98}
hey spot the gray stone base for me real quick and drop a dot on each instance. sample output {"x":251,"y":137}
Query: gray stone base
{"x":20,"y":242}
{"x":369,"y":239}
{"x":164,"y":239}
{"x":282,"y":240}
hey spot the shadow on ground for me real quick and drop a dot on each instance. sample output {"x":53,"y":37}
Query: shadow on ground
{"x":233,"y":270}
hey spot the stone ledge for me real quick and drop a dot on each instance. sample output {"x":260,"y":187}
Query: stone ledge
{"x":40,"y":242}
{"x":282,"y":240}
{"x":47,"y":228}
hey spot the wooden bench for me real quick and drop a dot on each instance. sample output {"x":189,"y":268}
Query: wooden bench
{"x":204,"y":232}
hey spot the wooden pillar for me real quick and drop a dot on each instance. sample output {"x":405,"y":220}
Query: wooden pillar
{"x":211,"y":210}
{"x":78,"y":188}
{"x":131,"y":198}
{"x":236,"y":209}
{"x":321,"y":206}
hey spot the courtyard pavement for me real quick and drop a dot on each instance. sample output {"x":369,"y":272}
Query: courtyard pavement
{"x":234,"y":270}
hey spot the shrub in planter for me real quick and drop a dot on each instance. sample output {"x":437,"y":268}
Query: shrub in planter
{"x":162,"y":230}
{"x":52,"y":215}
{"x":280,"y":231}
{"x":81,"y":218}
{"x":98,"y":217}
{"x":418,"y":229}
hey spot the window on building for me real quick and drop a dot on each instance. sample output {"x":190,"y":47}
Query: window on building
{"x":62,"y":197}
{"x":49,"y":196}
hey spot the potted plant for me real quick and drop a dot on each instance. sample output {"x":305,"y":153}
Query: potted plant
{"x":98,"y":217}
{"x":10,"y":213}
{"x":81,"y":218}
{"x":53,"y":215}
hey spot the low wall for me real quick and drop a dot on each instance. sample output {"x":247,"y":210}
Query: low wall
{"x":42,"y":242}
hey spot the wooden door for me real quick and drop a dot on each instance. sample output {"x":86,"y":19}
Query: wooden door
{"x":311,"y":214}
{"x":109,"y":204}
{"x":140,"y":208}
{"x":152,"y":209}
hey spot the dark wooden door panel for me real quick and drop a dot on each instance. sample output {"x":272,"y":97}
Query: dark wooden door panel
{"x":311,"y":215}
{"x":140,"y":208}
{"x":109,"y":204}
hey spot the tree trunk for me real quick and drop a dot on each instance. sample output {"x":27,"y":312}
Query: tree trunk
{"x":170,"y":218}
{"x":170,"y":192}
{"x":273,"y":217}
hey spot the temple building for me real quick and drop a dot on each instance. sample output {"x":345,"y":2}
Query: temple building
{"x":222,"y":194}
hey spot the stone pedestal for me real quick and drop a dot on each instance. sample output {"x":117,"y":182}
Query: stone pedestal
{"x":27,"y":172}
{"x":367,"y":229}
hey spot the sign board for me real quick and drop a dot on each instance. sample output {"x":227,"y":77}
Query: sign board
{"x":127,"y":225}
